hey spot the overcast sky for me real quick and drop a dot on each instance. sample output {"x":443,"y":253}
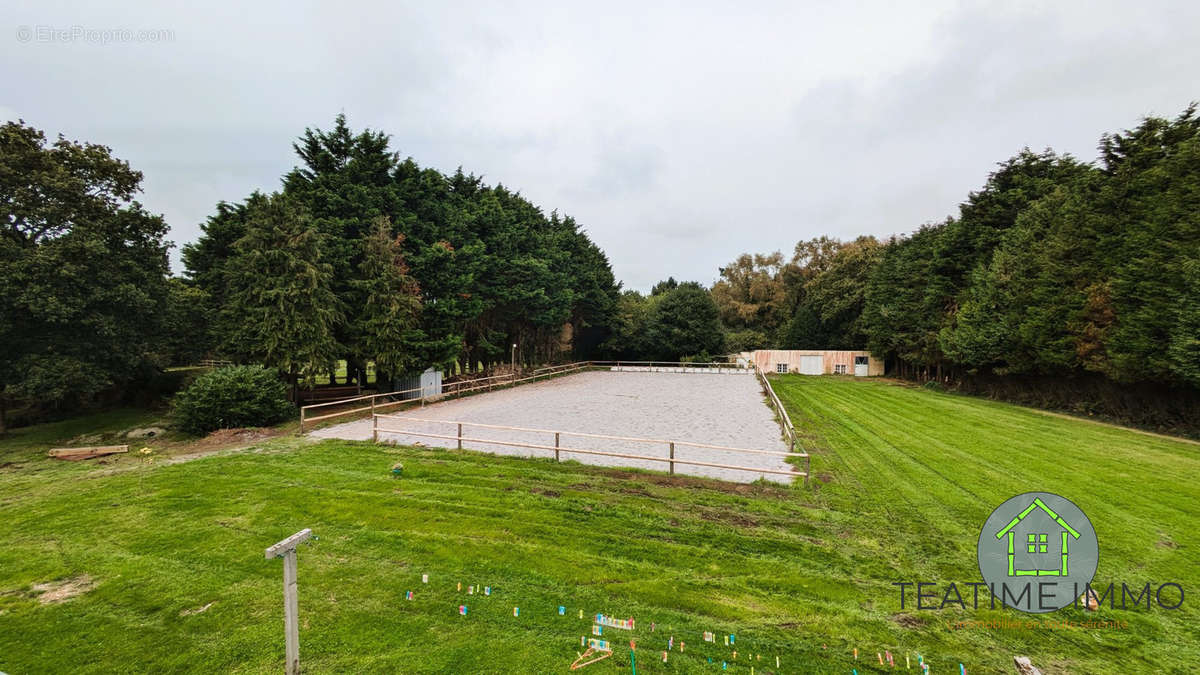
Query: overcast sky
{"x":678,"y":135}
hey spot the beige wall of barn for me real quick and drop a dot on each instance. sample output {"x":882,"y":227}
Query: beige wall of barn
{"x":768,"y":359}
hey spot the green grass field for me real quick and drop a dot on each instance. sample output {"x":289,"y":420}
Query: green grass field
{"x":907,"y":477}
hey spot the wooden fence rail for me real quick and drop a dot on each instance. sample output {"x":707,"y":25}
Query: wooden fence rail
{"x":785,"y":420}
{"x":373,"y":403}
{"x":377,"y":402}
{"x":671,"y":460}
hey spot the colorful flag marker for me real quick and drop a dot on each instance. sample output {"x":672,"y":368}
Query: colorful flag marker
{"x":424,"y":578}
{"x":462,"y":610}
{"x":561,"y":610}
{"x":408,"y":595}
{"x":516,"y":611}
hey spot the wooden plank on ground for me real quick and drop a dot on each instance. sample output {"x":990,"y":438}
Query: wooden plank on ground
{"x":88,"y":452}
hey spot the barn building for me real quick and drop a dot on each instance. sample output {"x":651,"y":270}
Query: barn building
{"x":815,"y":362}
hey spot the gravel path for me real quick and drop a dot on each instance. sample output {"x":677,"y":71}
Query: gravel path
{"x":716,"y":409}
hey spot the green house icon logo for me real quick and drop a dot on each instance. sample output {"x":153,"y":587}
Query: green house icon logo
{"x":1036,"y":549}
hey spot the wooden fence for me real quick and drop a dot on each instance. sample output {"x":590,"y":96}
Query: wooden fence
{"x":672,"y":367}
{"x":785,"y":420}
{"x":373,"y":403}
{"x":671,"y":459}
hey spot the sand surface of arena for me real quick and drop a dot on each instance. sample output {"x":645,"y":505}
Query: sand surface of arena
{"x":726,"y":409}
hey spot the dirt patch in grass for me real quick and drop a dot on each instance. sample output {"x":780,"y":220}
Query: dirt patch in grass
{"x":545,"y":493}
{"x":747,"y":489}
{"x":53,"y":592}
{"x":729,"y":518}
{"x":640,"y":492}
{"x":225,"y":437}
{"x":908,"y":620}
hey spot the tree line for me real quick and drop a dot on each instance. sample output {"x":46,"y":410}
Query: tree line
{"x":361,"y":256}
{"x":1054,"y":268}
{"x":367,"y":257}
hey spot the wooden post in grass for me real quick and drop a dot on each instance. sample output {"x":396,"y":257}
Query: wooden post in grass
{"x":286,"y":549}
{"x":460,"y":435}
{"x":556,"y":435}
{"x":672,"y":457}
{"x":374,"y":427}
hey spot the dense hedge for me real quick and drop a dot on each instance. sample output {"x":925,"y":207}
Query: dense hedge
{"x":236,"y":396}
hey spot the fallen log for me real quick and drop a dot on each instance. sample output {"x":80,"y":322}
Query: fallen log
{"x":77,"y":454}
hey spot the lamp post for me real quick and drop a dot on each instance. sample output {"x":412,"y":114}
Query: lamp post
{"x":514,"y":360}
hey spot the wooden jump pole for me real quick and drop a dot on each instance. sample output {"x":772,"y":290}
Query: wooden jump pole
{"x":672,"y":458}
{"x":286,"y":549}
{"x":460,"y":435}
{"x":556,"y":435}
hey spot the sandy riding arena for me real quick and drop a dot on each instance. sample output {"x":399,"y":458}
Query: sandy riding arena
{"x":714,"y":409}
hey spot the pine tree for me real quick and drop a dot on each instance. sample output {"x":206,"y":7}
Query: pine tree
{"x":388,"y":327}
{"x":280,"y":309}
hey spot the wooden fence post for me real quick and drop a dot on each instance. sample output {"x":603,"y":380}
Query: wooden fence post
{"x":460,"y":435}
{"x":301,"y":419}
{"x":286,"y":549}
{"x":291,"y":609}
{"x":374,"y":428}
{"x":556,"y":434}
{"x":672,"y":458}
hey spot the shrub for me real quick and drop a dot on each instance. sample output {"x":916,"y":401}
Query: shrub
{"x":235,"y":396}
